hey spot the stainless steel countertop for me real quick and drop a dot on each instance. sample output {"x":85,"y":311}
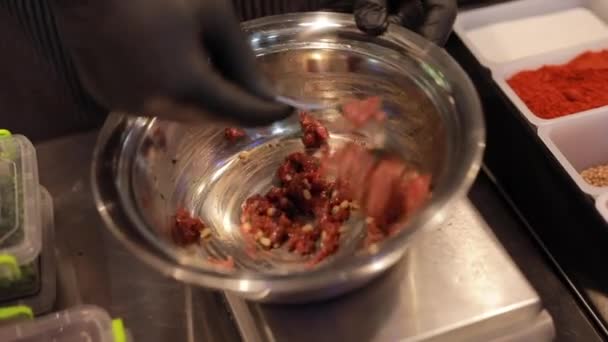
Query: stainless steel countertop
{"x":456,"y":283}
{"x":95,"y":269}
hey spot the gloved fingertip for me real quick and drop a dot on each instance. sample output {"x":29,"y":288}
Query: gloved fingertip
{"x":371,"y":18}
{"x":411,"y":14}
{"x":278,"y":112}
{"x":271,"y":113}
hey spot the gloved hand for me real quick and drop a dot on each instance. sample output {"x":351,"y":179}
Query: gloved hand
{"x":433,"y":19}
{"x":152,"y":57}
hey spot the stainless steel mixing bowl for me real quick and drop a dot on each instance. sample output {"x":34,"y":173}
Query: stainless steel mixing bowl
{"x":144,"y":169}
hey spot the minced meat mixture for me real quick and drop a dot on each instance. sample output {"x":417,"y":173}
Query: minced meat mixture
{"x":360,"y":112}
{"x":306,"y":210}
{"x":313,"y":197}
{"x":314,"y":134}
{"x":186,"y":229}
{"x":392,"y":190}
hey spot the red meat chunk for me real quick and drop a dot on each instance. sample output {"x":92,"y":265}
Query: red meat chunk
{"x":233,"y":134}
{"x":186,"y":230}
{"x":390,"y":191}
{"x":314,"y":134}
{"x":360,"y":112}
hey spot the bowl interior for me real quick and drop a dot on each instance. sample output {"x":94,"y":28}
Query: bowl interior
{"x":175,"y":166}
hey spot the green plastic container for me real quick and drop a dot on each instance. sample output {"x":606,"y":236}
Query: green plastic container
{"x":82,"y":323}
{"x":20,"y":218}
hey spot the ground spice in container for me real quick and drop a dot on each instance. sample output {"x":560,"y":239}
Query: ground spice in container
{"x":557,"y":90}
{"x":596,"y":176}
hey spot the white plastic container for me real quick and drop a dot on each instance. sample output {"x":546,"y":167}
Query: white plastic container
{"x":534,"y":33}
{"x":84,"y":323}
{"x":20,"y":217}
{"x":579,"y":142}
{"x":501,"y":74}
{"x":602,"y":205}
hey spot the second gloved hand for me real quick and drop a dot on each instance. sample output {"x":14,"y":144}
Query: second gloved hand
{"x":433,"y":19}
{"x":175,"y":59}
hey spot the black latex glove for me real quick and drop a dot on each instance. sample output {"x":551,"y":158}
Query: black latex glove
{"x":152,"y":57}
{"x":433,"y":19}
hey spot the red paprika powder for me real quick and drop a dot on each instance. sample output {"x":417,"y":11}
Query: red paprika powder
{"x":557,"y":90}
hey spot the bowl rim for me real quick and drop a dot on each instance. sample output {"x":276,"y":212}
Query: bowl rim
{"x":108,"y":202}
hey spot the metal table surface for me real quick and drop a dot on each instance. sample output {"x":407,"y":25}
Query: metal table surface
{"x":456,"y":283}
{"x":95,"y":269}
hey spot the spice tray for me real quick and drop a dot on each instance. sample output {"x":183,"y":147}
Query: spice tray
{"x":602,"y":205}
{"x":579,"y":142}
{"x":524,"y":35}
{"x":563,"y":219}
{"x":493,"y":36}
{"x":501,"y":73}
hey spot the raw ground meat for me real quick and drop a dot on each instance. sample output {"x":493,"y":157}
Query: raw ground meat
{"x":360,"y":112}
{"x":233,"y":134}
{"x":304,"y":213}
{"x":392,"y":190}
{"x":314,"y":134}
{"x":186,"y":229}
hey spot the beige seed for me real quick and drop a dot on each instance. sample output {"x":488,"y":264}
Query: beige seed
{"x":288,"y":177}
{"x":596,"y":176}
{"x":205,"y":233}
{"x":373,"y":248}
{"x":354,"y":205}
{"x":369,"y":220}
{"x":334,"y":194}
{"x":259,"y":234}
{"x":306,"y":194}
{"x":335,"y":210}
{"x":271,"y":211}
{"x":265,"y":242}
{"x":244,"y":155}
{"x":246,"y":227}
{"x":344,"y":204}
{"x":307,"y":228}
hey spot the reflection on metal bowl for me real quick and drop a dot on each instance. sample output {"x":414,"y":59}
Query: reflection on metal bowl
{"x":144,"y":169}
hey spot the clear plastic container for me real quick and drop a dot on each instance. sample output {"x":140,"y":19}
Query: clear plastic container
{"x":20,"y":218}
{"x":43,"y":301}
{"x":79,"y":324}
